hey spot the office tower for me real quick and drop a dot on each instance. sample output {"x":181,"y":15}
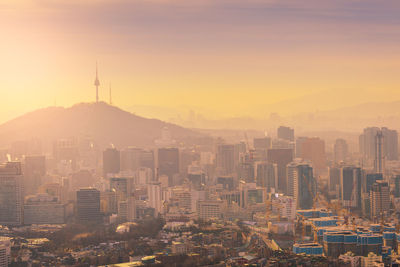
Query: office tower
{"x":143,"y":176}
{"x":130,"y":159}
{"x":227,"y":182}
{"x":388,"y":146}
{"x":147,"y":160}
{"x":281,"y":157}
{"x":390,"y":139}
{"x":251,"y":195}
{"x":226,"y":159}
{"x":334,"y":179}
{"x":11,"y":193}
{"x":168,"y":163}
{"x":5,"y":251}
{"x":131,"y":209}
{"x":340,"y":150}
{"x":111,"y":161}
{"x":88,"y":205}
{"x":313,"y":149}
{"x":396,"y":192}
{"x":370,"y":179}
{"x":122,"y":210}
{"x":286,"y":133}
{"x":66,"y":150}
{"x":267,"y":175}
{"x":109,"y":202}
{"x":123,"y":186}
{"x":209,"y":209}
{"x":196,"y":176}
{"x":379,"y":158}
{"x":261,"y":145}
{"x":154,"y":196}
{"x":35,"y":169}
{"x":350,"y":187}
{"x":43,"y":209}
{"x":301,"y":184}
{"x":299,"y":143}
{"x":380,"y":199}
{"x":183,"y":198}
{"x":246,"y":171}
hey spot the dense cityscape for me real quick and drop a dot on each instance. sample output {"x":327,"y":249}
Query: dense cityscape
{"x":273,"y":200}
{"x":215,"y":133}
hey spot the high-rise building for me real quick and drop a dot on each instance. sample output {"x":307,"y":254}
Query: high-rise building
{"x":281,"y":157}
{"x":340,"y":150}
{"x":35,"y":169}
{"x":350,"y":187}
{"x":380,"y":199}
{"x":111,"y":161}
{"x":261,"y":145}
{"x":123,"y":186}
{"x":313,"y":149}
{"x":301,"y":184}
{"x":88,"y":205}
{"x":44,"y":209}
{"x":11,"y":194}
{"x":299,"y":142}
{"x":209,"y":209}
{"x":286,"y":133}
{"x":396,"y":192}
{"x":388,"y":144}
{"x":225,"y":159}
{"x":155,"y":196}
{"x":379,"y":157}
{"x":5,"y":251}
{"x":130,"y":159}
{"x":267,"y":175}
{"x":334,"y":179}
{"x":168,"y":163}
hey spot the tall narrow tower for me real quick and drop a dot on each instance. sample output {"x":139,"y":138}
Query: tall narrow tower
{"x":110,"y":95}
{"x":97,"y":84}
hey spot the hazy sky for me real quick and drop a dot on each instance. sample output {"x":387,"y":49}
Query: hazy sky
{"x":224,"y":56}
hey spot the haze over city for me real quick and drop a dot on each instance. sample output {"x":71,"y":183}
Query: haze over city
{"x":199,"y":133}
{"x":221,"y":59}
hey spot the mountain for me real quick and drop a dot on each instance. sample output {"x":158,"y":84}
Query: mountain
{"x":103,"y":123}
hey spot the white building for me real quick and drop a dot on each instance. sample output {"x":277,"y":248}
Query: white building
{"x":155,"y":197}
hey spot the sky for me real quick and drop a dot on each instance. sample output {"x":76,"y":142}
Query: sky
{"x":218,"y":57}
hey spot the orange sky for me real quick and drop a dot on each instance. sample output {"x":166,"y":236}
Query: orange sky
{"x":219,"y":57}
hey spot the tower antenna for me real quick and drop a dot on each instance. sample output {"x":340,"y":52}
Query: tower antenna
{"x":110,"y":95}
{"x":97,"y":84}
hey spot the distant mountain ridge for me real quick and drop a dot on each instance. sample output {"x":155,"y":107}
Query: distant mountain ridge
{"x":105,"y":124}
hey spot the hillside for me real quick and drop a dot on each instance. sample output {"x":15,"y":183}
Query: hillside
{"x":104,"y":123}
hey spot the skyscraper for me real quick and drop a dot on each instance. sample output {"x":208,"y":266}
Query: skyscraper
{"x":11,"y":193}
{"x":261,"y":145}
{"x":286,"y":133}
{"x":340,"y":150}
{"x":35,"y":169}
{"x":379,"y":157}
{"x":267,"y":175}
{"x":88,"y":205}
{"x":225,"y":159}
{"x":154,"y":195}
{"x":350,"y":187}
{"x":380,"y":199}
{"x":281,"y":157}
{"x":301,"y":184}
{"x":388,"y":146}
{"x":168,"y":163}
{"x":111,"y":161}
{"x":313,"y":149}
